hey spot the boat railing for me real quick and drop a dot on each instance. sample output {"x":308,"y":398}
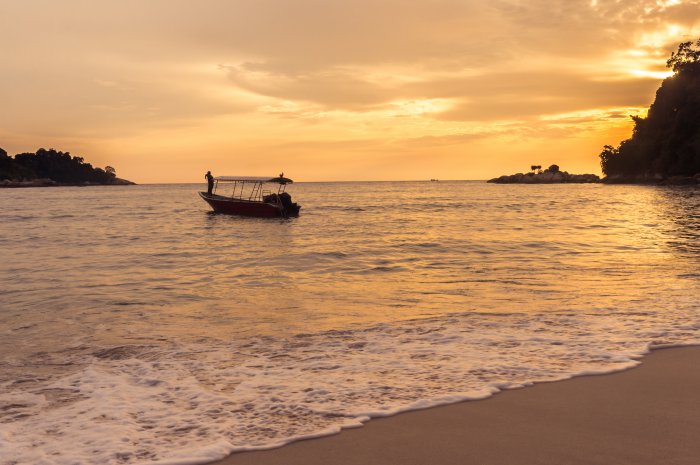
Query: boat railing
{"x":241,"y":189}
{"x":255,"y":192}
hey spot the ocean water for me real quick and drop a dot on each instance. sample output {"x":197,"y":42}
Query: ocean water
{"x":138,"y":327}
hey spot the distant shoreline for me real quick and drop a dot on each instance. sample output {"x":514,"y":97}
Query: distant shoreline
{"x":653,"y":180}
{"x":559,"y":177}
{"x":51,"y":183}
{"x":53,"y":168}
{"x":632,"y":181}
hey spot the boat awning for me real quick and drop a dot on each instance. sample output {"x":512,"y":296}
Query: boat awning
{"x":277,"y":179}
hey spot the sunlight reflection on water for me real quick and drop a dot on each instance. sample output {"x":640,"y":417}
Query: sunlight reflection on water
{"x":145,"y":281}
{"x":155,"y":257}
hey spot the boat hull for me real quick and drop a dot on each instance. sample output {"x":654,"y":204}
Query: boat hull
{"x":231,"y":206}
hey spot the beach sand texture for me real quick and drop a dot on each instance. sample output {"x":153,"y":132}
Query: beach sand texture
{"x":647,"y":415}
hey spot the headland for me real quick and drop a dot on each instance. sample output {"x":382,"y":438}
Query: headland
{"x":51,"y":168}
{"x":665,"y":144}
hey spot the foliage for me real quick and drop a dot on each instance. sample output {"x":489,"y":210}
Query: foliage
{"x":11,"y":170}
{"x":686,"y":54}
{"x":55,"y":165}
{"x":667,"y":141}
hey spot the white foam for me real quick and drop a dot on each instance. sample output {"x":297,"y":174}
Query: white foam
{"x":191,"y":404}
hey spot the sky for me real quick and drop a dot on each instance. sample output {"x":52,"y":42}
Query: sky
{"x":332,"y":90}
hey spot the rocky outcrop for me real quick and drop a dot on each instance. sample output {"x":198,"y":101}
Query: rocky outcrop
{"x":546,"y":177}
{"x":652,"y":179}
{"x":46,"y":182}
{"x":43,"y":182}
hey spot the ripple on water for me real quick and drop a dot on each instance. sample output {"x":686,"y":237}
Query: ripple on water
{"x":177,"y":333}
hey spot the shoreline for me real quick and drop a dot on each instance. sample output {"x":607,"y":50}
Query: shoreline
{"x":642,"y":415}
{"x":537,"y":180}
{"x":49,"y":183}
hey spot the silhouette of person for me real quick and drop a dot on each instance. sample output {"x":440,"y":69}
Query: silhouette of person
{"x":210,"y":182}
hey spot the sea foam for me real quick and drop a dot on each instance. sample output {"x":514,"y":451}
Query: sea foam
{"x":136,"y":331}
{"x":195,"y":403}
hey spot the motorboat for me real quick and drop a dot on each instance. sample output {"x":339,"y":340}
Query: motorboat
{"x":252,"y":196}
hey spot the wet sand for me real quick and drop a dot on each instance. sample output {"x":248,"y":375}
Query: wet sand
{"x":644,"y":416}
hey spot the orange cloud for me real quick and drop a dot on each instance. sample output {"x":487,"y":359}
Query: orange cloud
{"x":332,"y":90}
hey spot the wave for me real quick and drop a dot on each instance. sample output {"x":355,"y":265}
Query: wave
{"x":189,"y":403}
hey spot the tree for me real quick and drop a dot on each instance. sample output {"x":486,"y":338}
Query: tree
{"x":58,"y":166}
{"x":608,"y":158}
{"x":10,"y":169}
{"x":666,"y":142}
{"x":687,"y":53}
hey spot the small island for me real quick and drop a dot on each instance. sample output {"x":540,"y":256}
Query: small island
{"x":47,"y":168}
{"x":551,"y":175}
{"x":665,"y":146}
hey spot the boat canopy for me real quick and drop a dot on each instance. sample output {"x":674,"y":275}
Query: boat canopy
{"x":277,"y":179}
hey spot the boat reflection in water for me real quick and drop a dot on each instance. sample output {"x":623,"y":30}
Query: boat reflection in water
{"x":253,"y":196}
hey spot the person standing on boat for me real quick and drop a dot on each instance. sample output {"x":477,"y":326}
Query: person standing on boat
{"x":210,"y":182}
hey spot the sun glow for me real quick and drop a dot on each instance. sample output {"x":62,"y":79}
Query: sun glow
{"x":660,"y":39}
{"x":668,"y":3}
{"x":645,"y":73}
{"x":162,"y":89}
{"x":420,"y":107}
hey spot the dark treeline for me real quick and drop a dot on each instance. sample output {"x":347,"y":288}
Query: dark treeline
{"x":52,"y":164}
{"x":667,"y":142}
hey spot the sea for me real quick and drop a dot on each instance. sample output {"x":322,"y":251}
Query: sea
{"x":139,"y":327}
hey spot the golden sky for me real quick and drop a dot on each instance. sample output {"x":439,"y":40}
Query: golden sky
{"x":164,"y":90}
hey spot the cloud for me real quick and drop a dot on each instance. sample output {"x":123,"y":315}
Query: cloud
{"x":335,"y":88}
{"x":526,"y":95}
{"x":484,"y":97}
{"x":311,"y":71}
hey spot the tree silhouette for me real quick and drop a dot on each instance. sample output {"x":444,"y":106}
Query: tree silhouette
{"x":667,"y":141}
{"x":55,"y":165}
{"x":687,"y":53}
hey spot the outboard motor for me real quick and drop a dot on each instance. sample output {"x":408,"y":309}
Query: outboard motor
{"x":286,"y":200}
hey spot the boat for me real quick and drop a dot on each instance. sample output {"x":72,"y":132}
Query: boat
{"x":252,"y":196}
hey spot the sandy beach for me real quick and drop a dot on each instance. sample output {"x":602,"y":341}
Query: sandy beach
{"x":643,"y":416}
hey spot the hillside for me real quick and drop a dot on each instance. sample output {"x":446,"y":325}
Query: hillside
{"x":52,"y":168}
{"x":665,"y":146}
